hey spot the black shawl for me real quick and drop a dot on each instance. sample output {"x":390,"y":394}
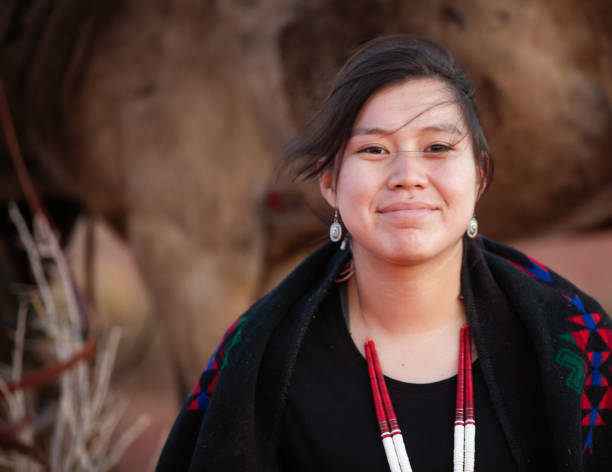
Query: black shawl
{"x":544,"y":348}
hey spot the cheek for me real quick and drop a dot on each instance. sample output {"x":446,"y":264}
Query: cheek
{"x":458,"y":184}
{"x":352,"y":186}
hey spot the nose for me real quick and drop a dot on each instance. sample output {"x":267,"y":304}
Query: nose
{"x":407,"y":171}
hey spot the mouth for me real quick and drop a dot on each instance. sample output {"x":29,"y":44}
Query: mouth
{"x":407,"y":207}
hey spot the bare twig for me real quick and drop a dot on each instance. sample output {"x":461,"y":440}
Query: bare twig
{"x":9,"y":398}
{"x":19,"y":339}
{"x":44,"y":376}
{"x":87,"y":416}
{"x":53,"y":250}
{"x":107,"y":425}
{"x":37,"y":271}
{"x":102,"y":379}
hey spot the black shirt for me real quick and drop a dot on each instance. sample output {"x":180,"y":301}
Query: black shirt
{"x":329,"y":421}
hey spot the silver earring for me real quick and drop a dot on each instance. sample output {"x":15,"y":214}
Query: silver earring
{"x":472,"y":227}
{"x":335,"y":230}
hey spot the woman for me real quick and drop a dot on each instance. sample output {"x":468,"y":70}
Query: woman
{"x":297,"y":384}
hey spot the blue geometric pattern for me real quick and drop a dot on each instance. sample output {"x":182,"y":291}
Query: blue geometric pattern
{"x":596,"y":359}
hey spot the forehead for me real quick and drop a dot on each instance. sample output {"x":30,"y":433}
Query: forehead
{"x":414,"y":103}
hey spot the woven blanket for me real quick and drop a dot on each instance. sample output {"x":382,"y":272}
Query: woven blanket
{"x":538,"y":338}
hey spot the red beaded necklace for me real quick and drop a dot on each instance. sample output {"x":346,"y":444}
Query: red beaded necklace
{"x":465,"y":424}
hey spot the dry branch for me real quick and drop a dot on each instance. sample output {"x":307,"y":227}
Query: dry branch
{"x":86,"y":415}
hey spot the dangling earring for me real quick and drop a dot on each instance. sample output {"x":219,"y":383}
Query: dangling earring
{"x":472,"y":227}
{"x":335,"y":230}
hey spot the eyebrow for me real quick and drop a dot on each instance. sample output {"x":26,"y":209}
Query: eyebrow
{"x":446,"y":127}
{"x":362,"y":131}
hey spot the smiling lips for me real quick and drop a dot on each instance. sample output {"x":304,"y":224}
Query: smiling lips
{"x":407,"y":209}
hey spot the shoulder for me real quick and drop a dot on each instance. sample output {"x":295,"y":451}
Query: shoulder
{"x":525,"y":273}
{"x":247,"y":337}
{"x":572,"y":335}
{"x":560,"y":317}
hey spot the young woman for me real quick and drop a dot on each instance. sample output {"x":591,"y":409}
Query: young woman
{"x":408,"y":342}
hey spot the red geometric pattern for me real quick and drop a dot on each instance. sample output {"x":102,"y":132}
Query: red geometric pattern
{"x":606,"y":401}
{"x":582,"y":338}
{"x":204,"y":388}
{"x":606,"y":335}
{"x":589,"y":320}
{"x":535,"y":269}
{"x":592,"y":418}
{"x":598,"y":376}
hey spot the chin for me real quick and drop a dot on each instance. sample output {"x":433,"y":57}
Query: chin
{"x":409,"y":258}
{"x":415,"y":251}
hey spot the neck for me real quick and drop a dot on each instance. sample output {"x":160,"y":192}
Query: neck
{"x":400,"y":300}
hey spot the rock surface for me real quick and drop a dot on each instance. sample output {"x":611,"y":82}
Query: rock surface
{"x":167,"y":118}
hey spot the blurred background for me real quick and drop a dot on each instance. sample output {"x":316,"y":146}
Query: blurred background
{"x":153,"y":130}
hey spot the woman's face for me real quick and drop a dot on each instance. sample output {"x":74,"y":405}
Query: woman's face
{"x":408,"y":183}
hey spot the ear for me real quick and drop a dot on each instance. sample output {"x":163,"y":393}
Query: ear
{"x":328,"y":187}
{"x":481,"y":183}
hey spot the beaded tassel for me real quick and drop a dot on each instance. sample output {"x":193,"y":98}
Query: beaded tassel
{"x":381,"y":416}
{"x":465,"y":423}
{"x":459,"y":444}
{"x":470,"y":420}
{"x":396,"y":433}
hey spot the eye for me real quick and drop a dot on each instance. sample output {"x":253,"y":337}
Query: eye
{"x":373,"y":150}
{"x":438,"y":148}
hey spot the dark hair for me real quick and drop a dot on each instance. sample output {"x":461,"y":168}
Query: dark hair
{"x":381,"y":62}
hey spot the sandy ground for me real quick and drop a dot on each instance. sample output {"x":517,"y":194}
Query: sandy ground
{"x":144,"y":377}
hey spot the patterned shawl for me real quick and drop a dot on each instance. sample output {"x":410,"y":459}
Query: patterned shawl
{"x":544,"y":349}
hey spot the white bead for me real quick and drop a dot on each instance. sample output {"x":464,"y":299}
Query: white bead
{"x":470,"y":447}
{"x":458,"y":450}
{"x":391,"y":454}
{"x":400,"y":450}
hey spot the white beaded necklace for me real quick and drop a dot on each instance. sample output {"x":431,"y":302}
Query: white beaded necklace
{"x":465,"y":424}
